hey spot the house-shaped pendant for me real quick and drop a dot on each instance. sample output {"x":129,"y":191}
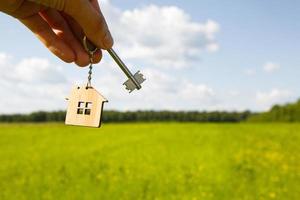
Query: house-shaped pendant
{"x":85,"y":107}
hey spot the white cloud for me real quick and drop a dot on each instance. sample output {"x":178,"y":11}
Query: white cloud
{"x":31,"y":84}
{"x":160,"y":91}
{"x":4,"y":58}
{"x":198,"y":92}
{"x":213,"y":47}
{"x":165,"y":36}
{"x":276,"y":96}
{"x":270,"y":67}
{"x":37,"y":70}
{"x":36,"y":84}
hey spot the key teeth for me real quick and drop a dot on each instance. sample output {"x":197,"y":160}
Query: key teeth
{"x":127,"y":87}
{"x":130,"y":85}
{"x":139,"y":77}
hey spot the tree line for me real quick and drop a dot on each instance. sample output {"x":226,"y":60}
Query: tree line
{"x":135,"y":116}
{"x":279,"y":113}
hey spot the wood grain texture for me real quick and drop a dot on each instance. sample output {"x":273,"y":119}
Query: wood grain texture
{"x":91,"y":105}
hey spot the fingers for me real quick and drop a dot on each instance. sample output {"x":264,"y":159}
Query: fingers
{"x":26,"y":9}
{"x":62,"y":36}
{"x":63,"y":31}
{"x":79,"y":34}
{"x":92,"y":22}
{"x":55,"y":44}
{"x":95,"y":5}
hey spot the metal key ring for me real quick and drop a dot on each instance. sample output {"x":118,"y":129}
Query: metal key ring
{"x":86,"y":46}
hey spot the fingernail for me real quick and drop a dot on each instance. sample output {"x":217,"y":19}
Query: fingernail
{"x":108,"y":40}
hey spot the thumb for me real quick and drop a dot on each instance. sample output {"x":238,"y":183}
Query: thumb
{"x":89,"y":17}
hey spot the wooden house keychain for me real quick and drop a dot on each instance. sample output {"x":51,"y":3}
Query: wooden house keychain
{"x":85,"y":103}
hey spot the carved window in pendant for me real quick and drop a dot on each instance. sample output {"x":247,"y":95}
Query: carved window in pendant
{"x":84,"y":108}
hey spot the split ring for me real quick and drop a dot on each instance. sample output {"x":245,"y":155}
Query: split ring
{"x":87,"y":45}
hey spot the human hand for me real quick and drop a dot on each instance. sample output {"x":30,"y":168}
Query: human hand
{"x":62,"y":24}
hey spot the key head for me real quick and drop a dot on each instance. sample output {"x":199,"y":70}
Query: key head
{"x":139,"y":77}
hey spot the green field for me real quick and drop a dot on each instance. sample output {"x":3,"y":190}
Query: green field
{"x":150,"y":161}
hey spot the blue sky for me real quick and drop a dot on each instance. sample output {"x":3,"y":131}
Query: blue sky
{"x":255,"y":65}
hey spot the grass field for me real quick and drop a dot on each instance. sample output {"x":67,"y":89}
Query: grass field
{"x":150,"y":161}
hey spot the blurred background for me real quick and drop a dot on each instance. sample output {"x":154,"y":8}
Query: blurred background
{"x":232,"y":63}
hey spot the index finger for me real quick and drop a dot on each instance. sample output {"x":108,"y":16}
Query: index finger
{"x":92,"y":21}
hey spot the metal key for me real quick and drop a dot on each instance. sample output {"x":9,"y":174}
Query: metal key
{"x":134,"y":81}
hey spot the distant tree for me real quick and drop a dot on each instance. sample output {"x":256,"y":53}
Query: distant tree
{"x":279,"y":113}
{"x":138,"y":116}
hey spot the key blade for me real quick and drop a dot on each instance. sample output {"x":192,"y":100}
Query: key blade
{"x":130,"y":85}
